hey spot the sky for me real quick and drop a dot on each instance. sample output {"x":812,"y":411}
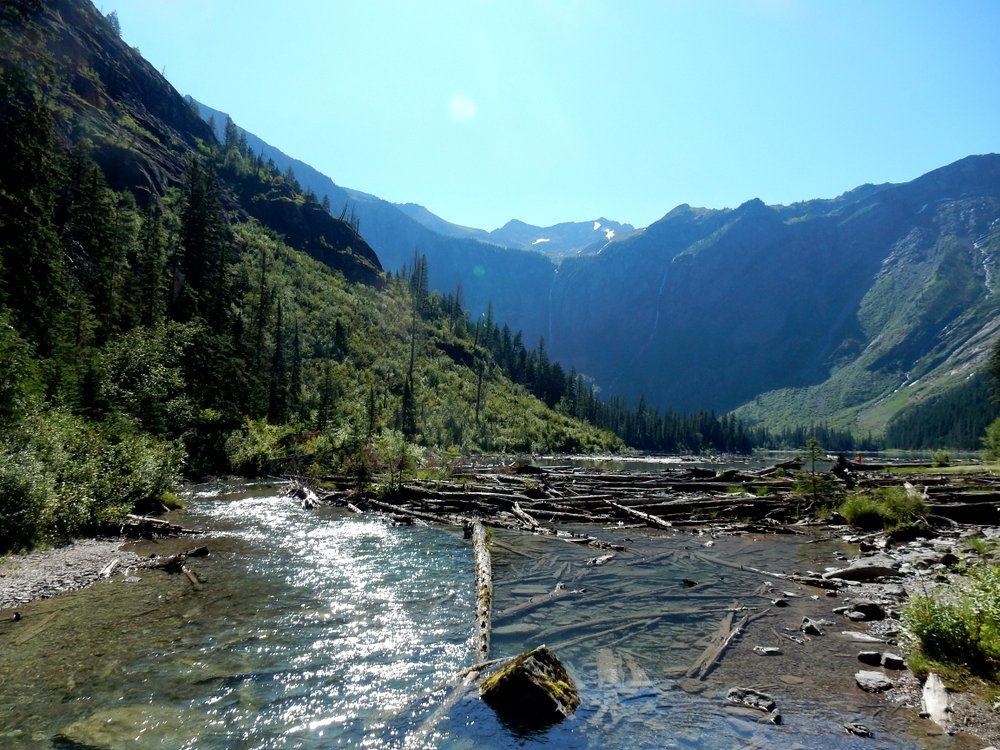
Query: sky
{"x":549,"y":111}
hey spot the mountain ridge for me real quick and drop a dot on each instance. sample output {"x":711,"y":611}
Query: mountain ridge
{"x":708,"y":287}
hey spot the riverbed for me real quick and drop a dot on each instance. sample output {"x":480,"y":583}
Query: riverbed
{"x":319,"y":628}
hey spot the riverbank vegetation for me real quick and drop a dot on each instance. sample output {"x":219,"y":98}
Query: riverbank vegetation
{"x":955,"y":630}
{"x":142,"y":342}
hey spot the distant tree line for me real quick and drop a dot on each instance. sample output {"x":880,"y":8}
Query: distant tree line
{"x":639,"y":425}
{"x":956,"y":419}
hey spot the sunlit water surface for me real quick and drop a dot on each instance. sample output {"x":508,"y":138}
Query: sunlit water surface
{"x":319,"y":629}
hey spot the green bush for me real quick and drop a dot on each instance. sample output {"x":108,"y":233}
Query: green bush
{"x":884,"y":508}
{"x":959,"y":626}
{"x":991,"y":441}
{"x":940,"y":459}
{"x":257,"y":447}
{"x":27,"y":499}
{"x":62,"y":475}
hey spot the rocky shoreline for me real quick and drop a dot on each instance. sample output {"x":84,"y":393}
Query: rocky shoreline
{"x":46,"y":573}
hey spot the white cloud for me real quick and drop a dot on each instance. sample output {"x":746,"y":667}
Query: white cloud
{"x":462,"y":108}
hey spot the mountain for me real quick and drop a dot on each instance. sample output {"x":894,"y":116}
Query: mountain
{"x":844,"y":310}
{"x":557,"y":241}
{"x":848,"y":309}
{"x":560,"y":240}
{"x":174,"y":305}
{"x":488,"y":274}
{"x":142,"y":133}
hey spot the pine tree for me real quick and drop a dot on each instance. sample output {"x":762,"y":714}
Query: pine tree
{"x":149,"y":281}
{"x":295,"y":382}
{"x":277,"y":409}
{"x":34,"y":279}
{"x":324,"y":413}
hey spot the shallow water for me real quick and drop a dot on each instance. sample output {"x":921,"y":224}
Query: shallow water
{"x":322,"y":629}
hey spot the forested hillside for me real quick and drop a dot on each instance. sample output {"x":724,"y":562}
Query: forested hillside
{"x":172,"y":305}
{"x":845,"y":311}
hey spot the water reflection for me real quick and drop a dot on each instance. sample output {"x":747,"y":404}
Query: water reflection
{"x":319,"y":628}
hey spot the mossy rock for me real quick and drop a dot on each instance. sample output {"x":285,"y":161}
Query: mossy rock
{"x":532,"y":690}
{"x":172,"y":502}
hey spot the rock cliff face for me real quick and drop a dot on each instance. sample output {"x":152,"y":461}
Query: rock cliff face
{"x":845,"y":309}
{"x":141,"y":131}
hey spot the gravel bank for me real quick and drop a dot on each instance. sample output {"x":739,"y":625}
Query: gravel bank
{"x":39,"y":575}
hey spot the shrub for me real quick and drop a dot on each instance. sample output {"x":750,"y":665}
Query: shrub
{"x":255,"y":448}
{"x":62,"y":475}
{"x":959,"y":626}
{"x":991,"y":441}
{"x":27,"y":499}
{"x":940,"y":459}
{"x":884,"y":508}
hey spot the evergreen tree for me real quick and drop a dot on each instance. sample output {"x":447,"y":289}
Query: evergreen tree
{"x":151,"y":269}
{"x":277,"y":409}
{"x":295,"y":381}
{"x":34,"y":280}
{"x":324,"y":414}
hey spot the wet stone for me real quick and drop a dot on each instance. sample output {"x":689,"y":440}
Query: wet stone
{"x":874,"y":658}
{"x":810,"y":627}
{"x":751,"y":699}
{"x":872,"y":682}
{"x":893,"y":661}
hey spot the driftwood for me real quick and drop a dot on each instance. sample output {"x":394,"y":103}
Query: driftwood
{"x":146,"y":526}
{"x":108,"y":570}
{"x":480,"y":637}
{"x":560,"y":592}
{"x":484,"y":591}
{"x":644,"y":517}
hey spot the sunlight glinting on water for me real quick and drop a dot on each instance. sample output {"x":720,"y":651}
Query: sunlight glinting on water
{"x":369,"y":600}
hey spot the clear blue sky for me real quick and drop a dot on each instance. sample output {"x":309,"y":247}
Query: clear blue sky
{"x":484,"y":110}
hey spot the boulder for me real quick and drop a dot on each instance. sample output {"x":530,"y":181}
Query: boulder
{"x":531,"y":690}
{"x":893,"y":661}
{"x":869,"y":609}
{"x":872,"y":658}
{"x":872,"y":682}
{"x":873,"y":568}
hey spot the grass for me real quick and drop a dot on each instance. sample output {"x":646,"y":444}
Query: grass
{"x":884,"y":508}
{"x":955,"y":630}
{"x":988,"y":468}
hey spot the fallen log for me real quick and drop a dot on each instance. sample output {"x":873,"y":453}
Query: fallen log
{"x":559,"y":592}
{"x":644,"y":517}
{"x":145,"y":526}
{"x":484,"y":590}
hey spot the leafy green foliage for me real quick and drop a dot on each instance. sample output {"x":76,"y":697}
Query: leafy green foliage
{"x":62,"y":475}
{"x":959,"y":626}
{"x":991,"y":441}
{"x":882,"y":508}
{"x":137,"y":342}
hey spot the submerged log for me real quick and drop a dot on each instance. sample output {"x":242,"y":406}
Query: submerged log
{"x":484,"y":591}
{"x":559,"y":592}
